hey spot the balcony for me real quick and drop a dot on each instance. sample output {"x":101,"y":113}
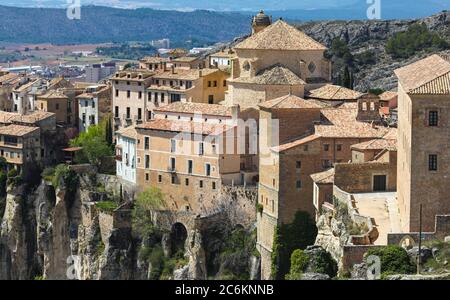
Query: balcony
{"x":171,"y":169}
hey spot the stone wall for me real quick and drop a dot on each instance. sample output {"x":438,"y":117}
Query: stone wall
{"x":358,"y":177}
{"x":442,"y":230}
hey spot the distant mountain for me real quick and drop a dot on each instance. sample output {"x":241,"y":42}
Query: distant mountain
{"x":293,"y":9}
{"x":104,"y":24}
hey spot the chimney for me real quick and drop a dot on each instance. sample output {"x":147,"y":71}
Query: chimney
{"x":173,"y":69}
{"x":165,"y":67}
{"x":369,"y":109}
{"x":200,"y":73}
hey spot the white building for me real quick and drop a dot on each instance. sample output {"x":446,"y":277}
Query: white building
{"x":126,"y":154}
{"x":222,"y":58}
{"x":23,"y":95}
{"x":93,"y":105}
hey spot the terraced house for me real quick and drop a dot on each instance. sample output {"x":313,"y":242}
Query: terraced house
{"x":129,"y":97}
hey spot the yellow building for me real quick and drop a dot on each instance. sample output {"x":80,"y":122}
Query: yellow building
{"x":55,"y":101}
{"x":188,"y":85}
{"x":20,"y":144}
{"x":186,"y":161}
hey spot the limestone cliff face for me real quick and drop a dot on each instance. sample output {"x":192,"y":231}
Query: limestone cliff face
{"x":373,"y":35}
{"x":54,"y":235}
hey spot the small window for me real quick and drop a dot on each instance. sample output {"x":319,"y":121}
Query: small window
{"x":305,"y":148}
{"x":201,"y":184}
{"x":433,"y":118}
{"x":201,"y":149}
{"x":159,"y":178}
{"x":213,"y":185}
{"x":312,"y":67}
{"x":187,"y":181}
{"x":147,"y":177}
{"x":299,"y":184}
{"x":326,"y":147}
{"x":432,"y":162}
{"x":298,"y":165}
{"x":117,"y":93}
{"x":147,"y":161}
{"x":140,"y":95}
{"x":339,"y":147}
{"x":128,"y":94}
{"x":173,"y":179}
{"x":147,"y":143}
{"x":208,"y":170}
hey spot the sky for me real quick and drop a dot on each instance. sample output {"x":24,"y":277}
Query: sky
{"x":226,"y":5}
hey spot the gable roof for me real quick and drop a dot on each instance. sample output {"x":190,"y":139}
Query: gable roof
{"x":326,"y":177}
{"x":185,"y":127}
{"x":288,"y":101}
{"x":427,"y":76}
{"x":277,"y":74}
{"x":342,"y":123}
{"x":192,"y":108}
{"x":280,"y":36}
{"x":334,"y":92}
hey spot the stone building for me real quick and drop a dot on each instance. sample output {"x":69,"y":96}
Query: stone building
{"x":312,"y":139}
{"x":185,"y":160}
{"x":423,"y":147}
{"x":62,"y":105}
{"x":273,"y":62}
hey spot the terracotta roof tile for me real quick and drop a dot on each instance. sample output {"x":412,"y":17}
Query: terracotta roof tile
{"x":129,"y":132}
{"x":427,"y":76}
{"x":184,"y":74}
{"x":294,"y":143}
{"x":274,"y":75}
{"x":184,"y":126}
{"x":289,"y":101}
{"x":192,"y":108}
{"x":342,"y":123}
{"x":389,"y":95}
{"x":334,"y":92}
{"x":280,"y":36}
{"x":17,"y":130}
{"x":326,"y":177}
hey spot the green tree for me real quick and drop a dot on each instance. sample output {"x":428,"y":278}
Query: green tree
{"x":394,"y":260}
{"x":299,"y":263}
{"x":299,"y":234}
{"x":146,"y":201}
{"x":94,"y":144}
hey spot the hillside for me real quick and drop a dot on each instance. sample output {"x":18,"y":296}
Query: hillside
{"x":103,"y":24}
{"x":363,"y":36}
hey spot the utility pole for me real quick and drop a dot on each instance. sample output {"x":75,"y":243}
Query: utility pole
{"x":420,"y":240}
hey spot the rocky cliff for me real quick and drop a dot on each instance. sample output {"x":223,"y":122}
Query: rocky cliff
{"x":362,"y":36}
{"x":66,"y":230}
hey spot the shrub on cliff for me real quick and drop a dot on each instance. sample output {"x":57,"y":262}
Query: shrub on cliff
{"x":299,"y":234}
{"x":394,"y":260}
{"x":146,"y":201}
{"x":417,"y":38}
{"x":299,"y":263}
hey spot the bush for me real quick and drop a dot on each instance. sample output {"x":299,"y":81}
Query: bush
{"x":13,"y":173}
{"x":366,"y":58}
{"x":417,"y":38}
{"x":394,"y":260}
{"x":144,"y":204}
{"x":48,"y":173}
{"x":299,"y":263}
{"x":107,"y":206}
{"x":259,"y":208}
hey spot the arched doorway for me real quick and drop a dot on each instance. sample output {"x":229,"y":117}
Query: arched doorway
{"x":178,"y":236}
